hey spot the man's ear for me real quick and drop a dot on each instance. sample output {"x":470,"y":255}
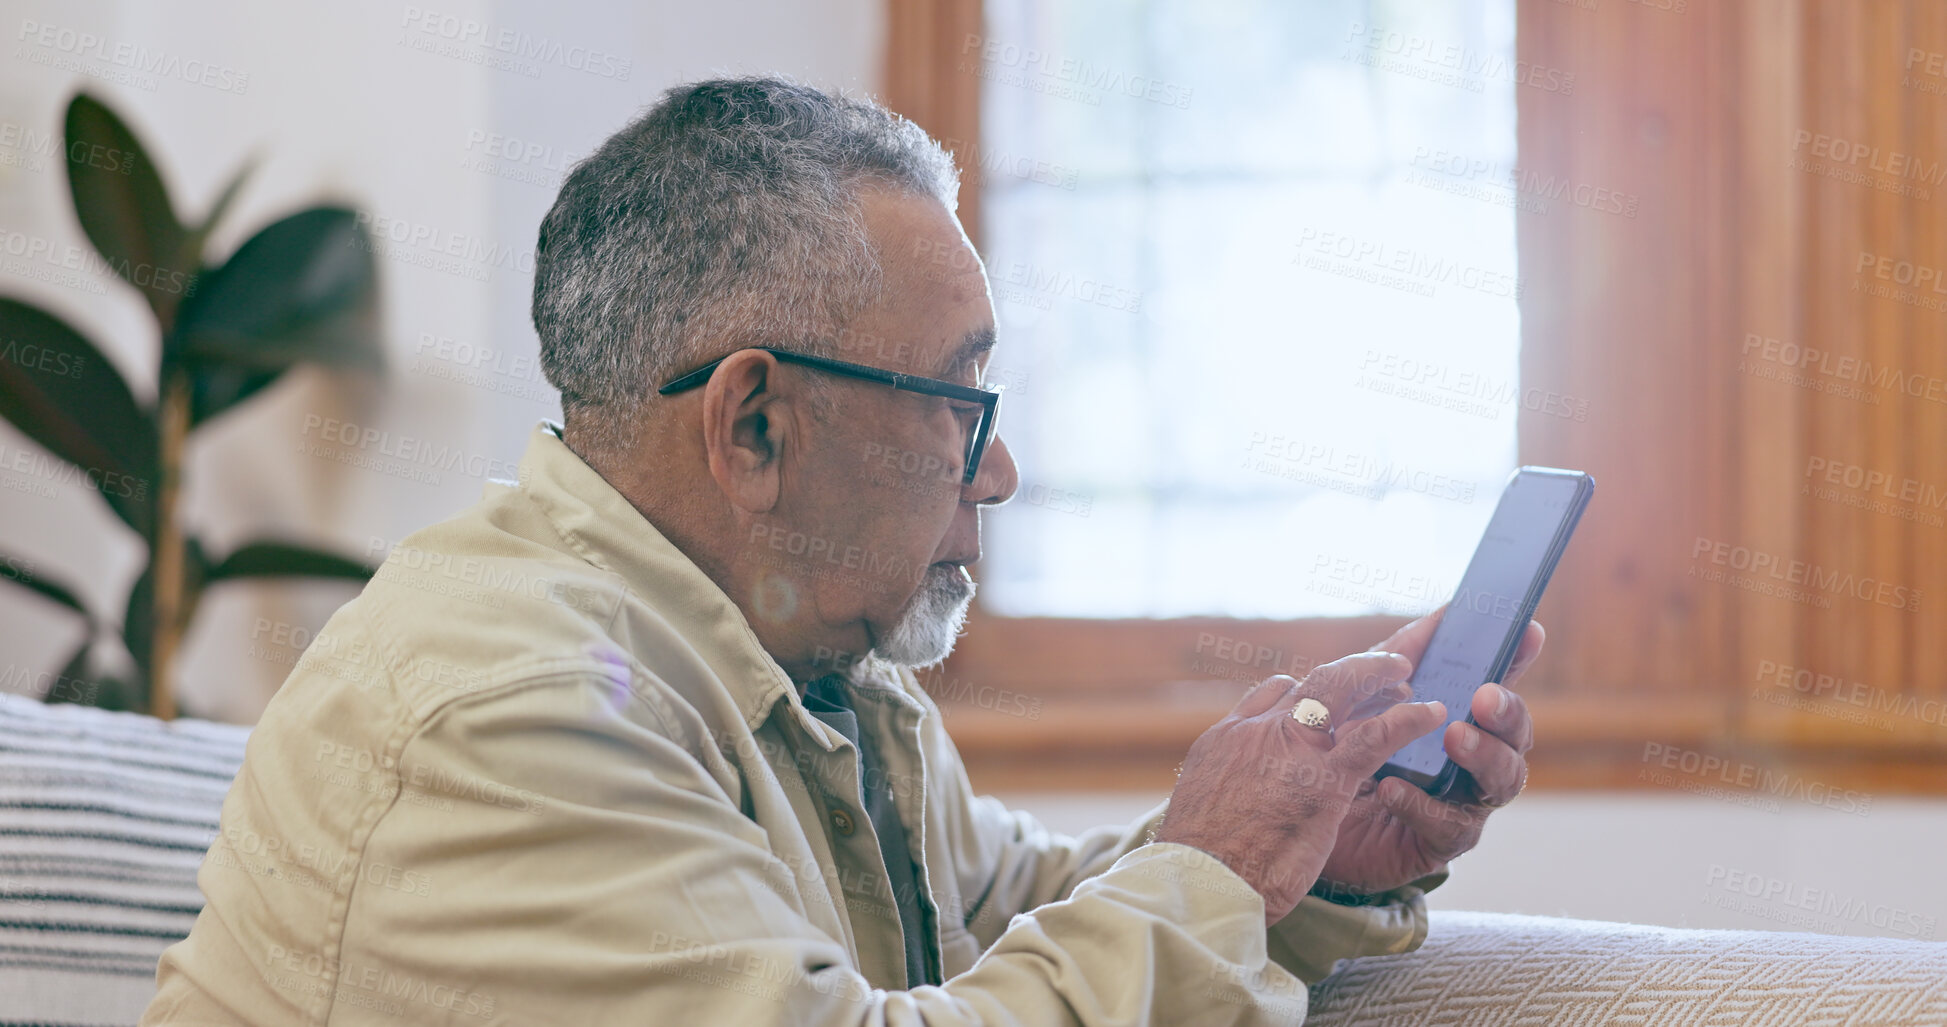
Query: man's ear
{"x":747,"y":424}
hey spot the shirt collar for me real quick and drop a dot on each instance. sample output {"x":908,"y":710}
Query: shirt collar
{"x":609,"y":532}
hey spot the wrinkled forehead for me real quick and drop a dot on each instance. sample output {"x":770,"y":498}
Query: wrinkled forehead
{"x":934,"y":294}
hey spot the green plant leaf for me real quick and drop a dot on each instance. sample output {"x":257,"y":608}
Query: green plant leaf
{"x":199,"y":235}
{"x":138,"y":620}
{"x":72,"y":683}
{"x":216,"y":387}
{"x":124,"y":207}
{"x":277,"y":559}
{"x":303,"y":289}
{"x":21,"y":572}
{"x":222,"y":205}
{"x":57,"y":388}
{"x":122,"y":694}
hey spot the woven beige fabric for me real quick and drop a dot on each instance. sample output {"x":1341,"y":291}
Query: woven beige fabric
{"x":1497,"y":970}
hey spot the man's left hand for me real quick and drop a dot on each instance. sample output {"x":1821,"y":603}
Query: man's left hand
{"x":1395,"y":833}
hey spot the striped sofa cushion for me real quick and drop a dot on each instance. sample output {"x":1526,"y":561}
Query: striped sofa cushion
{"x":104,"y":818}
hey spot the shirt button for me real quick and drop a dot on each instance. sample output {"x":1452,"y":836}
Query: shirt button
{"x":842,"y":823}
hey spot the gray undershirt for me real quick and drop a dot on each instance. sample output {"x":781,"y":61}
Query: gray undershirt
{"x":825,"y":699}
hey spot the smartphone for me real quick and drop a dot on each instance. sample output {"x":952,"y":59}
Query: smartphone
{"x":1475,"y":640}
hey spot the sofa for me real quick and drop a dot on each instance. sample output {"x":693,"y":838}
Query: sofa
{"x":104,"y":818}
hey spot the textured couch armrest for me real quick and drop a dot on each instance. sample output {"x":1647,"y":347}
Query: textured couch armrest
{"x":1484,"y":969}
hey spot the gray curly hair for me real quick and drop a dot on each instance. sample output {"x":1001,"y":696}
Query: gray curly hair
{"x":726,"y":215}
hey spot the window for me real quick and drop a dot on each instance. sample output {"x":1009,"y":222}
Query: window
{"x":1675,"y":240}
{"x":1254,"y":268}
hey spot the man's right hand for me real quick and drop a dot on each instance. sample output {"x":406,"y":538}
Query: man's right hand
{"x":1265,"y":794}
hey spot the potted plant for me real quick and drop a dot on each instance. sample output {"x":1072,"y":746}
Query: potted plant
{"x":302,"y":290}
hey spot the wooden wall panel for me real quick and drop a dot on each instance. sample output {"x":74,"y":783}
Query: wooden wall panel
{"x":929,"y":78}
{"x":1707,"y":115}
{"x":1927,"y":421}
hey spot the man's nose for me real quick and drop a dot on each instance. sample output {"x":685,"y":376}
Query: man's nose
{"x":997,"y":478}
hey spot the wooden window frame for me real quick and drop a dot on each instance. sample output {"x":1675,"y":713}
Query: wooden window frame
{"x":1689,"y":118}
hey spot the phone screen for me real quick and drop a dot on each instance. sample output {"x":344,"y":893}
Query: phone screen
{"x":1476,"y":638}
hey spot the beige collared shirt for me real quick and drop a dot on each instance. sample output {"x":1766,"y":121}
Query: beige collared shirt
{"x":541,"y":771}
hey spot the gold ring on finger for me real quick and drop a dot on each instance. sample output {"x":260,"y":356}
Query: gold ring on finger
{"x":1311,"y":713}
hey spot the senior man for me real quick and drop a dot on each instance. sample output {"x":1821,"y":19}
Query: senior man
{"x":637,"y":740}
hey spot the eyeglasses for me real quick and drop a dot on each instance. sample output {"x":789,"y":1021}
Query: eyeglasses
{"x":989,"y":401}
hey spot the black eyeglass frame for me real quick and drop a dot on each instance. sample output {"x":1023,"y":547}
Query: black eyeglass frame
{"x":989,"y":400}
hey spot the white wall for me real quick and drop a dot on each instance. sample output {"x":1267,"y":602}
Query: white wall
{"x":344,"y":102}
{"x":1683,"y":861}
